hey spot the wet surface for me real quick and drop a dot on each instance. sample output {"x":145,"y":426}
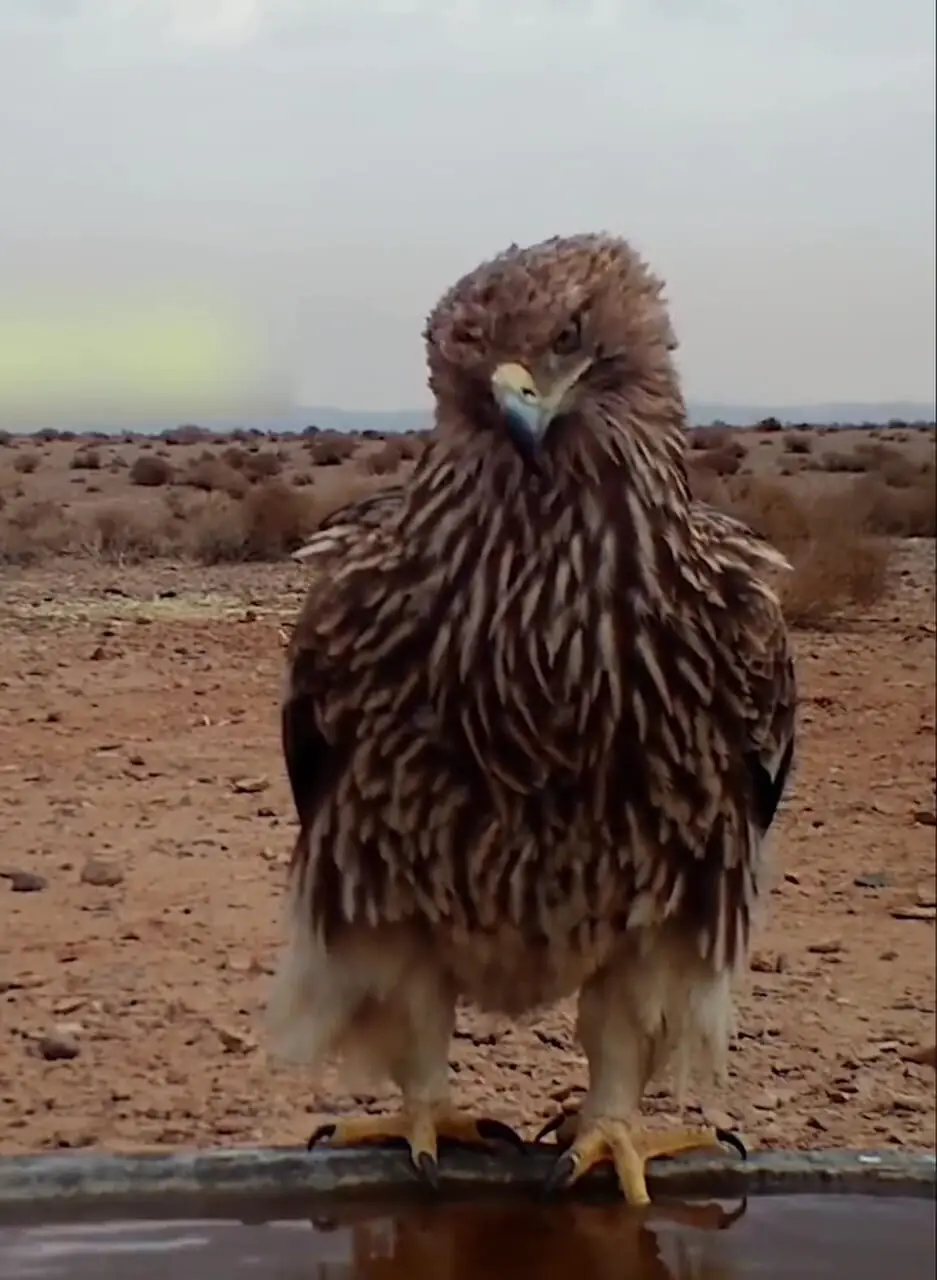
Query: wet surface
{"x":771,"y":1238}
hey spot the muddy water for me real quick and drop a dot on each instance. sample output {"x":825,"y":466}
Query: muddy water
{"x":775,"y":1238}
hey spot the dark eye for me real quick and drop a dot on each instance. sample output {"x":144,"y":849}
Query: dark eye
{"x":569,"y":339}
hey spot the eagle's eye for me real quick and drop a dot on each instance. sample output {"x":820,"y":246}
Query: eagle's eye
{"x":568,"y":341}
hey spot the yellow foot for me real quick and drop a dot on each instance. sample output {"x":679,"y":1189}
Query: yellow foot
{"x":420,"y":1128}
{"x":629,"y":1150}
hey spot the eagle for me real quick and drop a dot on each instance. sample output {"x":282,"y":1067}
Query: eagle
{"x":539,"y":716}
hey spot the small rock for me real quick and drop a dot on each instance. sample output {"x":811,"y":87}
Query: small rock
{"x":926,"y":896}
{"x":58,"y":1047}
{"x":925,"y":1055}
{"x":926,"y":817}
{"x":25,"y":881}
{"x":768,"y":962}
{"x":236,"y":1041}
{"x":101,"y":873}
{"x":872,"y":880}
{"x":829,"y":947}
{"x":250,"y":786}
{"x":915,"y":913}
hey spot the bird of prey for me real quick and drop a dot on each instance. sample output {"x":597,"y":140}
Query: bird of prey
{"x":539,"y":717}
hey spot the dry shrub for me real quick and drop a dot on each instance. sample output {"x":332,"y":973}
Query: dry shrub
{"x":721,"y":462}
{"x":270,"y":522}
{"x":836,"y":561}
{"x":853,"y":463}
{"x":907,"y":512}
{"x":714,"y":437}
{"x":85,"y":459}
{"x":798,"y":444}
{"x":387,"y":459}
{"x":125,"y":534}
{"x":188,"y":433}
{"x":330,"y":448}
{"x":31,"y":531}
{"x":6,"y":439}
{"x":261,"y":466}
{"x":235,"y":456}
{"x":151,"y":472}
{"x":27,"y":463}
{"x":211,"y":475}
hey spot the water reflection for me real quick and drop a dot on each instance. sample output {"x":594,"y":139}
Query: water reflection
{"x":558,"y":1241}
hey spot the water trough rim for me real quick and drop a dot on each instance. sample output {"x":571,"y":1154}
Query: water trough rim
{"x":214,"y":1182}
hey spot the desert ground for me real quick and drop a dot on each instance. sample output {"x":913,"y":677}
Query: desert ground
{"x":145,"y":819}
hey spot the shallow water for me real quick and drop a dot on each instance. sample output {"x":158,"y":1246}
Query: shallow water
{"x":837,"y":1237}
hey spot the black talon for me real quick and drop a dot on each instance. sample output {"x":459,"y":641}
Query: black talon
{"x":561,"y":1173}
{"x":323,"y":1131}
{"x":497,"y":1131}
{"x":551,"y":1126}
{"x":733,"y":1215}
{"x":427,"y":1170}
{"x":730,"y":1139}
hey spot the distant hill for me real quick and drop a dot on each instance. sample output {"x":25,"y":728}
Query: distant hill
{"x":332,"y":418}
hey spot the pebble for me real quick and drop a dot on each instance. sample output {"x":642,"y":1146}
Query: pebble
{"x":915,"y":913}
{"x":829,"y":947}
{"x":25,"y":881}
{"x":236,"y":1041}
{"x":101,"y":873}
{"x":872,"y":880}
{"x":250,"y":786}
{"x":58,"y":1046}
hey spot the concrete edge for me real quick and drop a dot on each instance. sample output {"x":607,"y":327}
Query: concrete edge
{"x":216,"y":1182}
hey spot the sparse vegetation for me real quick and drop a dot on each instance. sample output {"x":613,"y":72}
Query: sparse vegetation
{"x":834,"y":503}
{"x":150,"y":471}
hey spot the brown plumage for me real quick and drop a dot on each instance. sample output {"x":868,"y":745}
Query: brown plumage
{"x":539,"y":716}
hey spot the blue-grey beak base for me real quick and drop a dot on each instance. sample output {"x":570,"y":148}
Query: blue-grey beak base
{"x":526,"y":423}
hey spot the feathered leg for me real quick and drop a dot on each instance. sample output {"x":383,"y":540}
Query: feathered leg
{"x":379,"y":1001}
{"x":634,"y":1016}
{"x":418,"y":1063}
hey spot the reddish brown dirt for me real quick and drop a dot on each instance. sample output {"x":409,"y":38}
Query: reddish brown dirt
{"x":128,"y":718}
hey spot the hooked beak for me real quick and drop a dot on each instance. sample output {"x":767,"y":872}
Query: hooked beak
{"x":528,"y":410}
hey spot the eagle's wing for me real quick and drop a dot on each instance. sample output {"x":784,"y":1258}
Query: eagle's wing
{"x":351,"y":518}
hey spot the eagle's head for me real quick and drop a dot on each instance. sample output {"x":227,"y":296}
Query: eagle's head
{"x":561,"y":348}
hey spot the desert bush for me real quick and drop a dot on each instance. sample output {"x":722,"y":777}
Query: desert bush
{"x":6,"y":439}
{"x":27,"y":463}
{"x":124,"y":533}
{"x":713,"y":437}
{"x":270,"y":522}
{"x":30,"y":531}
{"x":847,"y":463}
{"x":85,"y":459}
{"x":836,"y":560}
{"x":330,"y":448}
{"x":906,"y":512}
{"x":721,"y":462}
{"x":150,"y":472}
{"x":798,"y":444}
{"x":188,"y":433}
{"x":262,"y":466}
{"x":212,"y":475}
{"x":387,"y":459}
{"x":235,"y":456}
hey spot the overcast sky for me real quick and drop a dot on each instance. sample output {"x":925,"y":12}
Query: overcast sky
{"x":323,"y":169}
